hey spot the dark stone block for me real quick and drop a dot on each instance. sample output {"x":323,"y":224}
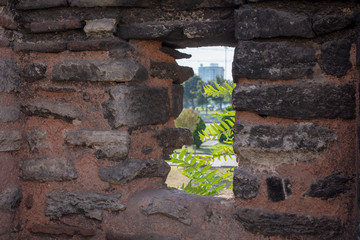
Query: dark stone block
{"x":9,"y":75}
{"x":47,"y":169}
{"x":40,"y":46}
{"x":91,"y":204}
{"x":172,"y":71}
{"x":38,"y":4}
{"x":10,"y":199}
{"x":56,"y":89}
{"x":269,"y":223}
{"x":98,"y":44}
{"x":59,"y":229}
{"x":55,"y":26}
{"x":330,"y":23}
{"x":136,"y":106}
{"x":173,"y":138}
{"x":178,"y":5}
{"x":246,"y":185}
{"x":358,"y":51}
{"x":177,"y":94}
{"x":7,"y":20}
{"x":45,"y":108}
{"x":132,"y":169}
{"x":34,"y":71}
{"x":112,"y":3}
{"x":275,"y":144}
{"x":330,"y":187}
{"x":146,"y":236}
{"x":174,"y":53}
{"x":103,"y":71}
{"x":304,"y":100}
{"x":273,"y":60}
{"x":253,"y":23}
{"x":9,"y":114}
{"x":10,"y":140}
{"x":278,"y":188}
{"x":36,"y":139}
{"x":335,"y":57}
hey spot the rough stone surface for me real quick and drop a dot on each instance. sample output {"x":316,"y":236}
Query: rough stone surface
{"x":245,"y":185}
{"x":34,"y":71}
{"x":172,"y":71}
{"x":98,"y":44}
{"x":177,"y":94}
{"x":36,"y":139}
{"x":173,"y":138}
{"x":272,"y":144}
{"x":91,"y":204}
{"x":104,"y":27}
{"x":112,"y":144}
{"x":37,"y":4}
{"x":335,"y":57}
{"x":40,"y":46}
{"x":7,"y":19}
{"x":55,"y":26}
{"x":58,"y":229}
{"x":330,"y":23}
{"x":176,"y":5}
{"x":47,"y":169}
{"x":331,"y":186}
{"x":46,"y":108}
{"x":132,"y":169}
{"x":103,"y":71}
{"x":9,"y":75}
{"x":358,"y":51}
{"x":273,"y":60}
{"x":110,"y":3}
{"x":270,"y":223}
{"x":267,"y":23}
{"x":278,"y":188}
{"x":168,"y":208}
{"x":10,"y":140}
{"x":10,"y":199}
{"x":148,"y":236}
{"x":174,"y":53}
{"x":136,"y":106}
{"x":9,"y":114}
{"x":297,"y":100}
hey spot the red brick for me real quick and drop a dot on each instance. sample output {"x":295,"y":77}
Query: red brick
{"x":55,"y":26}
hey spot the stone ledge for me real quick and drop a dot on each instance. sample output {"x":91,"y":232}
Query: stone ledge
{"x":10,"y":140}
{"x":40,"y":46}
{"x":303,"y":100}
{"x":38,"y":4}
{"x":173,"y":138}
{"x":47,"y":169}
{"x":55,"y":26}
{"x":172,"y":71}
{"x":98,"y":44}
{"x":111,"y":144}
{"x":112,"y":3}
{"x":59,"y":229}
{"x":102,"y":71}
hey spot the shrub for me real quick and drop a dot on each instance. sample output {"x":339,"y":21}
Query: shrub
{"x":196,"y":134}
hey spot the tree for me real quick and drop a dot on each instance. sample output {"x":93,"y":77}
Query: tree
{"x":190,"y":91}
{"x":188,"y":118}
{"x":200,"y":127}
{"x":201,"y":98}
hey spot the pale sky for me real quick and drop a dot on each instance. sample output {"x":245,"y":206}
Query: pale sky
{"x":207,"y":55}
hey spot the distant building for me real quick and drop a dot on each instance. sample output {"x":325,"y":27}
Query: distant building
{"x":209,"y":73}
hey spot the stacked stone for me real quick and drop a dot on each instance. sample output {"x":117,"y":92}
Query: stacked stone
{"x":296,"y":108}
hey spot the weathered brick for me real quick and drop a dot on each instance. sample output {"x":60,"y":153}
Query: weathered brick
{"x":34,"y":71}
{"x":273,"y":60}
{"x":246,"y":185}
{"x":10,"y":199}
{"x":177,"y":5}
{"x":9,"y":75}
{"x":304,"y":100}
{"x":132,"y":169}
{"x":10,"y":140}
{"x":177,"y":94}
{"x":46,"y":108}
{"x":253,"y":23}
{"x":91,"y":204}
{"x":38,"y":4}
{"x":111,"y":3}
{"x":136,"y":106}
{"x":97,"y":44}
{"x":40,"y":46}
{"x":323,"y":24}
{"x":269,"y":223}
{"x":112,"y":144}
{"x":336,"y":57}
{"x":168,"y":208}
{"x":274,"y":144}
{"x":165,"y":70}
{"x":47,"y":169}
{"x":36,"y":139}
{"x":55,"y":26}
{"x":9,"y":114}
{"x":103,"y":71}
{"x":59,"y":229}
{"x":105,"y":27}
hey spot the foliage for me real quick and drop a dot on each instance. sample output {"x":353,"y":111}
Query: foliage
{"x":188,"y":118}
{"x":202,"y":181}
{"x":191,"y":89}
{"x":200,"y":127}
{"x":223,"y":138}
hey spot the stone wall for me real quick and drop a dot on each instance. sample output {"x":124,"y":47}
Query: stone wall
{"x":90,"y":89}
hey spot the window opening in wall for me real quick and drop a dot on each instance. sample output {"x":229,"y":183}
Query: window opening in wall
{"x":207,"y":165}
